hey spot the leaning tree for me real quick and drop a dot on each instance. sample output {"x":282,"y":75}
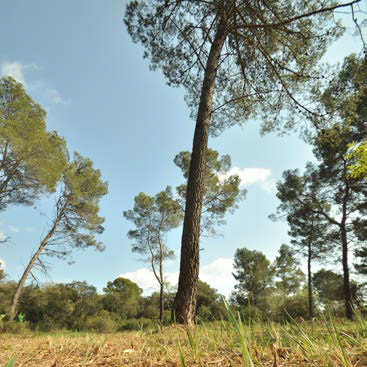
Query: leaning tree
{"x":236,"y":59}
{"x":76,"y":220}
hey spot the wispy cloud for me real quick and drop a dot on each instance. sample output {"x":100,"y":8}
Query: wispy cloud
{"x":49,"y":95}
{"x":218,"y":274}
{"x":14,"y":229}
{"x":254,"y":176}
{"x":3,"y":236}
{"x":20,"y":72}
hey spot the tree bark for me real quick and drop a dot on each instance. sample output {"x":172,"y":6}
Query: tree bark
{"x":346,"y":278}
{"x":161,"y":303}
{"x":344,"y":240}
{"x":185,"y":301}
{"x":309,"y":279}
{"x":20,"y":285}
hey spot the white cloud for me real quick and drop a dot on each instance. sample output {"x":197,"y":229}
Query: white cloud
{"x":14,"y":229}
{"x":254,"y":176}
{"x":14,"y":69}
{"x":217,"y":274}
{"x":18,"y":71}
{"x":2,"y":264}
{"x":49,"y":95}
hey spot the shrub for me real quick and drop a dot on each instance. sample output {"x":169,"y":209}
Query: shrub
{"x":14,"y":327}
{"x":100,"y":324}
{"x":251,"y":312}
{"x":137,"y":324}
{"x":46,"y":325}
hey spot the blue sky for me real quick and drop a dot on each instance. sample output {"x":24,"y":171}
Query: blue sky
{"x":76,"y":59}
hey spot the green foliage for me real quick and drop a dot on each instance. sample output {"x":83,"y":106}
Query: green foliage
{"x":178,"y":36}
{"x":101,"y":323}
{"x":329,"y":286}
{"x":82,"y":189}
{"x":31,"y":159}
{"x":294,"y":306}
{"x":359,"y":155}
{"x":361,"y":256}
{"x":14,"y":327}
{"x":2,"y":274}
{"x":222,"y":191}
{"x":136,"y":324}
{"x":254,"y":275}
{"x":287,"y":271}
{"x":76,"y":221}
{"x":249,"y":313}
{"x":153,"y":217}
{"x":209,"y":304}
{"x":6,"y":291}
{"x":122,"y":298}
{"x":326,"y":190}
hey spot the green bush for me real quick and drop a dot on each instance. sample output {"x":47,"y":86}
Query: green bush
{"x":100,"y":324}
{"x":251,"y":312}
{"x":46,"y":325}
{"x":137,"y":324}
{"x":14,"y":327}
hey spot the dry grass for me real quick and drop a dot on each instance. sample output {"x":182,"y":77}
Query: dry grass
{"x":218,"y":344}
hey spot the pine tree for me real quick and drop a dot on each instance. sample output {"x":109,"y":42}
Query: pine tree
{"x":287,"y":270}
{"x":236,"y":60}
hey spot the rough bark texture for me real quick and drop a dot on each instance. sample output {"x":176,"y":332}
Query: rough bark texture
{"x":344,"y":240}
{"x":309,"y":279}
{"x":347,"y":292}
{"x":185,"y":302}
{"x":20,"y":285}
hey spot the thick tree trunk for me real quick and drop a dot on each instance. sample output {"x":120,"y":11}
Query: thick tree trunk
{"x":20,"y":285}
{"x":347,"y":291}
{"x":309,"y":279}
{"x":185,"y":302}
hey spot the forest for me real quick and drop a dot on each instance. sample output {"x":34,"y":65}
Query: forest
{"x":236,"y":62}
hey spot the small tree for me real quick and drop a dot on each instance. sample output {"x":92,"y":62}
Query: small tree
{"x":310,"y":238}
{"x":122,"y":298}
{"x":254,"y":274}
{"x":76,"y":220}
{"x":153,"y":217}
{"x":287,"y":270}
{"x":31,"y":159}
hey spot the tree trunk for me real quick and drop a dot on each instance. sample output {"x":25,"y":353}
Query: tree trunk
{"x":185,"y":301}
{"x":161,"y":303}
{"x":20,"y":285}
{"x":309,"y":279}
{"x":347,"y":291}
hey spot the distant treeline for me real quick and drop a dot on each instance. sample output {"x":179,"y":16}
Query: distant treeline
{"x":264,"y":291}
